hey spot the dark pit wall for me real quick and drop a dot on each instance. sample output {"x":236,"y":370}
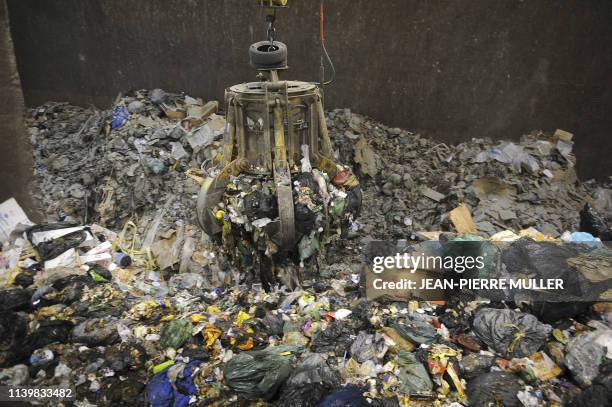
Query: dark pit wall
{"x":452,"y":69}
{"x":16,"y":163}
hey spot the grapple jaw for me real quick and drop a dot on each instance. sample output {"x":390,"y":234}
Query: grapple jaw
{"x":269,"y":126}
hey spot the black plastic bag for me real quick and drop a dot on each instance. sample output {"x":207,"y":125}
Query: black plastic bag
{"x":71,"y":287}
{"x":592,"y":222}
{"x":53,"y":248}
{"x":258,"y":205}
{"x":511,"y":334}
{"x":304,"y":218}
{"x":308,"y":395}
{"x":593,"y":396}
{"x":24,"y":279}
{"x":48,"y":226}
{"x":336,"y":338}
{"x":546,"y":260}
{"x":13,"y":328}
{"x":550,"y":312}
{"x":15,"y":299}
{"x":48,"y":332}
{"x":309,"y":383}
{"x":495,"y":389}
{"x":475,"y":364}
{"x":273,"y":324}
{"x":99,"y":273}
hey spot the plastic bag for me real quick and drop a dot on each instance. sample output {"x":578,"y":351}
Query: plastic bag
{"x":336,"y":338}
{"x":416,"y":330}
{"x":173,"y":387}
{"x":17,"y":375}
{"x":547,"y":260}
{"x":100,"y":274}
{"x":49,"y":248}
{"x":413,"y":375}
{"x":273,"y":324}
{"x":96,"y":332}
{"x":53,"y":248}
{"x":475,"y":364}
{"x":346,"y":397}
{"x":310,"y":382}
{"x":593,"y":396}
{"x":15,"y":299}
{"x":554,"y":311}
{"x":13,"y":328}
{"x":583,"y":357}
{"x":49,"y":331}
{"x":511,"y":334}
{"x":313,"y":369}
{"x":176,"y":333}
{"x":259,"y":374}
{"x":510,"y":153}
{"x":592,"y":222}
{"x":368,"y":347}
{"x":120,"y":116}
{"x":495,"y":389}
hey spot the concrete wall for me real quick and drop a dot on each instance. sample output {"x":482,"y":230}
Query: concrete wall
{"x":16,"y":174}
{"x":453,"y":69}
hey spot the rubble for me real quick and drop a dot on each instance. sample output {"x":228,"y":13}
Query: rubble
{"x":182,"y":322}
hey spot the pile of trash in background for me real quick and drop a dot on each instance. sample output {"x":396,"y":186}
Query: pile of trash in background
{"x":116,"y":164}
{"x":122,"y":296}
{"x":415,"y":181}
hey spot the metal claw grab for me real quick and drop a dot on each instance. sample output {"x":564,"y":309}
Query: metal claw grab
{"x":268,"y":122}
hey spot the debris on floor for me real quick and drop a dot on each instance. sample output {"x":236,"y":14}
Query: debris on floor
{"x":120,"y":295}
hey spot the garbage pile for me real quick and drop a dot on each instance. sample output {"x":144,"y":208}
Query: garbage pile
{"x":414,"y":182}
{"x":121,"y":296}
{"x":150,"y":149}
{"x":111,"y":165}
{"x":104,"y":321}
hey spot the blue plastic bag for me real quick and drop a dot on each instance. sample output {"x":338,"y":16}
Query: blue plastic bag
{"x":120,"y":116}
{"x":583,"y":237}
{"x":346,"y":397}
{"x":161,"y":393}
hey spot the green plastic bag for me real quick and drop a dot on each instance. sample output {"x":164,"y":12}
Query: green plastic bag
{"x":412,"y":375}
{"x":259,"y":374}
{"x":176,"y":333}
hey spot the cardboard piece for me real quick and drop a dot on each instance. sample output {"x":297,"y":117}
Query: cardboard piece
{"x":462,"y":220}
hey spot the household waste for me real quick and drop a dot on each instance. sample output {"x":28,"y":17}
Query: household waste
{"x":119,"y":294}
